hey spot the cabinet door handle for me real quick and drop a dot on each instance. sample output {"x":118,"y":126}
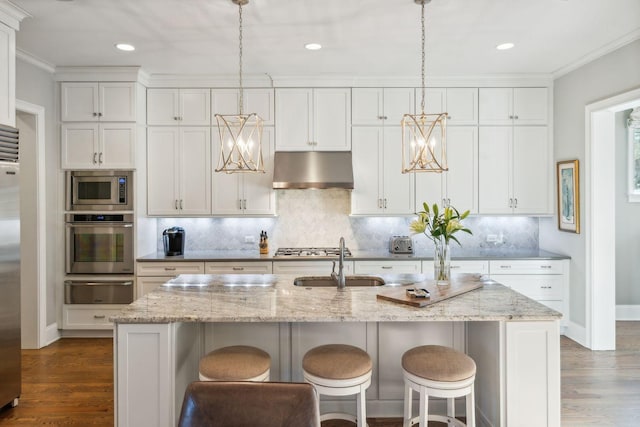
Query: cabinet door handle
{"x":169,"y":269}
{"x":511,"y":117}
{"x":95,"y":316}
{"x":175,"y":118}
{"x":99,"y":114}
{"x":176,"y":204}
{"x":100,"y":158}
{"x":181,"y":207}
{"x":379,"y":203}
{"x":244,"y":204}
{"x":238,"y":268}
{"x":515,"y":117}
{"x":95,"y":114}
{"x":510,"y":203}
{"x":385,"y":203}
{"x":240,"y":204}
{"x":448,"y":117}
{"x":515,"y":203}
{"x":94,"y":158}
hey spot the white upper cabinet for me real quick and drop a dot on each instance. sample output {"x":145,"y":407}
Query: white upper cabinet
{"x":513,"y":106}
{"x":381,"y":106}
{"x":514,"y":170}
{"x":259,"y":101}
{"x":179,"y":171}
{"x":178,"y":107}
{"x":98,"y":145}
{"x":104,"y":102}
{"x":460,"y":104}
{"x":458,"y":187}
{"x":240,"y":194}
{"x":380,"y":188}
{"x":7,"y":75}
{"x":313,"y":119}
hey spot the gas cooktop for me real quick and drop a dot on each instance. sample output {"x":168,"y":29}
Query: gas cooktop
{"x":310,"y":252}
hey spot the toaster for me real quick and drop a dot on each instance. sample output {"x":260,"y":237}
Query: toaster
{"x":400,"y":245}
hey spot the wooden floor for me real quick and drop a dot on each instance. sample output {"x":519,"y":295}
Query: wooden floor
{"x":70,"y":383}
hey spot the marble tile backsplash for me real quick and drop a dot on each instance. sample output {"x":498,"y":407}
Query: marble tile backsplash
{"x":321,"y":217}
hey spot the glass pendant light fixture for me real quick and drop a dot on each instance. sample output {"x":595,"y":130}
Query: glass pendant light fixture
{"x":424,"y":136}
{"x":240,"y":134}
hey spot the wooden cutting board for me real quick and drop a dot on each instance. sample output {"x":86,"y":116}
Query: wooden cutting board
{"x":459,"y":285}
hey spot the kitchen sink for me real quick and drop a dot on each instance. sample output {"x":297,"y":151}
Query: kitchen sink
{"x":328,"y":281}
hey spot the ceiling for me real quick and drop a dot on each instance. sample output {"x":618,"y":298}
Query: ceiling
{"x":359,"y":37}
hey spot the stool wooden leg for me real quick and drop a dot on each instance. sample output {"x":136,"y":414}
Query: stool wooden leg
{"x":408,"y":397}
{"x":424,"y":407}
{"x":451,"y":407}
{"x":361,"y":408}
{"x":471,"y":409}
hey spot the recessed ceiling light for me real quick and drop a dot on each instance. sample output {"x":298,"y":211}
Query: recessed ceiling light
{"x":126,"y":47}
{"x":313,"y":46}
{"x":504,"y":46}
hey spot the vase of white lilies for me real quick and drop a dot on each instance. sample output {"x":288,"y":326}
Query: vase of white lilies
{"x":440,"y":226}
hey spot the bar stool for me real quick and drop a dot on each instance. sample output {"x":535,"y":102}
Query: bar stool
{"x":434,"y":370}
{"x":235,"y":363}
{"x":340,"y":370}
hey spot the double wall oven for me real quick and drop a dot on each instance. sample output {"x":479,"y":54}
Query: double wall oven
{"x":99,"y":228}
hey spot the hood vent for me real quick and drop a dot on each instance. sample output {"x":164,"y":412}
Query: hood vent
{"x":312,"y":169}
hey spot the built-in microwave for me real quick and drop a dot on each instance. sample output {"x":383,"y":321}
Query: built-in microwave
{"x":100,"y":190}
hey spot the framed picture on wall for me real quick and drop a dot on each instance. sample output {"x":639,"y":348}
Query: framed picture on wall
{"x":568,"y":196}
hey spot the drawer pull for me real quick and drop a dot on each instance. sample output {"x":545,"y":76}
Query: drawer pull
{"x":455,"y":266}
{"x":387,"y":267}
{"x":169,"y":269}
{"x":545,"y":287}
{"x":545,"y":266}
{"x":505,"y":266}
{"x":238,"y":268}
{"x":96,"y":316}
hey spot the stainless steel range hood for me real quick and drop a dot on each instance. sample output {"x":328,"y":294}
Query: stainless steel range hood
{"x":312,"y":169}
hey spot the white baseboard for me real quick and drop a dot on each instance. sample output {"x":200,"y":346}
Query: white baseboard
{"x":576,"y":332}
{"x":51,"y":335}
{"x":627,"y":312}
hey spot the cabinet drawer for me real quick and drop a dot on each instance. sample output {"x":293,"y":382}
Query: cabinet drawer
{"x":146,"y":284}
{"x":257,"y":267}
{"x":526,"y":267}
{"x":535,"y":287}
{"x":88,"y":317}
{"x":307,"y":268}
{"x":169,"y":269}
{"x":459,"y":266}
{"x":391,"y":267}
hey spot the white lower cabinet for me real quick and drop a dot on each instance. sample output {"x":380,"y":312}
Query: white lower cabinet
{"x":89,"y":316}
{"x":459,"y":267}
{"x":150,"y":275}
{"x":388,"y":267}
{"x":546,"y":281}
{"x":249,"y":267}
{"x":306,"y":268}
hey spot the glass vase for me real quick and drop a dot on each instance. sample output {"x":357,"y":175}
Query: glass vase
{"x":442,"y":264}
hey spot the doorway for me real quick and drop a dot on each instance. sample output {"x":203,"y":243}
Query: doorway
{"x":30,"y":119}
{"x":600,"y":191}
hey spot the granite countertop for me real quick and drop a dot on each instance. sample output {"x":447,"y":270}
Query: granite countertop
{"x":274,"y":298}
{"x":358,"y":255}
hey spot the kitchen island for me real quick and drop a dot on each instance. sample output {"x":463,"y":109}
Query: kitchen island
{"x":161,"y":336}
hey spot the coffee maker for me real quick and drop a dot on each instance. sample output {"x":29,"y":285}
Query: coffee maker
{"x":173,"y":241}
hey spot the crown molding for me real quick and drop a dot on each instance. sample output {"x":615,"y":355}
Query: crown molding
{"x":12,"y":15}
{"x":266,"y":80}
{"x":593,"y":55}
{"x":34,"y":60}
{"x":113,"y":74}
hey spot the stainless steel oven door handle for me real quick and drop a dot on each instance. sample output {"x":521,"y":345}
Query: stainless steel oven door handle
{"x":99,"y":224}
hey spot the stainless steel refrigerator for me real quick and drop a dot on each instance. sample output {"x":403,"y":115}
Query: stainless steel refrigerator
{"x":10,"y":378}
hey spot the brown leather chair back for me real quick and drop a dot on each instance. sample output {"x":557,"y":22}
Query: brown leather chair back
{"x":249,"y":404}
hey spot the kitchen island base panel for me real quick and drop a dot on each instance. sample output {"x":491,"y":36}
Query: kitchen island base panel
{"x":521,"y":360}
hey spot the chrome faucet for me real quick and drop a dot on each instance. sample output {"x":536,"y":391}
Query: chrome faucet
{"x":340,"y":277}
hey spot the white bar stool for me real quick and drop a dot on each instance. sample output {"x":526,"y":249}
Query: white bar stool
{"x":434,"y":370}
{"x":235,"y":363}
{"x":340,"y":370}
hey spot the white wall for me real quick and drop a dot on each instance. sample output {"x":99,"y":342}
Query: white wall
{"x":612,"y":74}
{"x":36,"y":86}
{"x":627,"y":224}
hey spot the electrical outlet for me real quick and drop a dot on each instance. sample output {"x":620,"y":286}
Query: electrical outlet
{"x":249,"y":239}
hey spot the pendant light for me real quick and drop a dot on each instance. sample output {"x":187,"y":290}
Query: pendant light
{"x":240,"y":134}
{"x":424,"y":136}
